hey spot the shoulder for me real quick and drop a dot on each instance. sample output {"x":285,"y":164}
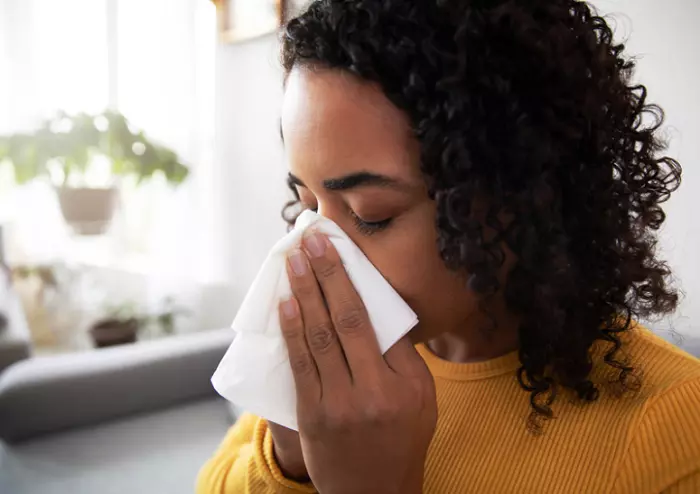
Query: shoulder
{"x":663,"y":446}
{"x":664,"y":364}
{"x":659,"y":364}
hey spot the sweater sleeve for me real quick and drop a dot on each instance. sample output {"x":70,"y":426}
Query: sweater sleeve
{"x":663,"y":455}
{"x":245,"y":464}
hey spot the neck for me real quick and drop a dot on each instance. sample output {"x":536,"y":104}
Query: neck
{"x":478,"y":339}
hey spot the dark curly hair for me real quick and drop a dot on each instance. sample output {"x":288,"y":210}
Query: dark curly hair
{"x":529,"y":103}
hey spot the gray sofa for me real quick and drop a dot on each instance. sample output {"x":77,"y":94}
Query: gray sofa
{"x":132,"y":419}
{"x":136,"y":418}
{"x":15,"y":340}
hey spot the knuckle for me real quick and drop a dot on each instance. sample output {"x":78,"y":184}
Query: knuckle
{"x":327,"y":269}
{"x":350,"y":319}
{"x":338,"y":420}
{"x":304,"y":289}
{"x":321,"y":337}
{"x":381,"y":411}
{"x":302,"y":364}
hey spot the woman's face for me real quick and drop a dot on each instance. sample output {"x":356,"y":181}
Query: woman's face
{"x":353,"y":157}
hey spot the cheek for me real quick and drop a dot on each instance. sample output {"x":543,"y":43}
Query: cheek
{"x":408,"y":258}
{"x":406,"y":254}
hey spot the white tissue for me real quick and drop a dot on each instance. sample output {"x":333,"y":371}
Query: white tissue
{"x":255,"y":373}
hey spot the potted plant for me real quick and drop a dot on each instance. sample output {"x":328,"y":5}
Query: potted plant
{"x":166,"y":317}
{"x":67,"y":150}
{"x":121,"y":324}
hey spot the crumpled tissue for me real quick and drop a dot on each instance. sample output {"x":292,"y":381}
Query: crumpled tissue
{"x":255,"y":373}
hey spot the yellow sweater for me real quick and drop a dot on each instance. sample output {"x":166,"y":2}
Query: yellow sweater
{"x":645,"y":442}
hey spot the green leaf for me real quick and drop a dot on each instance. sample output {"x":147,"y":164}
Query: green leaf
{"x":74,"y":140}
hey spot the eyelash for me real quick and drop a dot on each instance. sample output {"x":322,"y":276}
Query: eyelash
{"x":365,"y":227}
{"x":369,"y":227}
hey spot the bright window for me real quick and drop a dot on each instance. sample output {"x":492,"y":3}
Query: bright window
{"x":153,"y":60}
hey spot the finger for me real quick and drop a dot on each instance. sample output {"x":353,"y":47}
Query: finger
{"x":306,"y":379}
{"x":347,"y":310}
{"x":404,"y":359}
{"x":321,"y":337}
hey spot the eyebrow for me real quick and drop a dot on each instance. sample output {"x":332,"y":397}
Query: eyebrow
{"x":352,"y":181}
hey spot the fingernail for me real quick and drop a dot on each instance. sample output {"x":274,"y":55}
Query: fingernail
{"x":289,"y":308}
{"x":315,"y":244}
{"x":298,"y":262}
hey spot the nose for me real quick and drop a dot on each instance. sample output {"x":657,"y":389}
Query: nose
{"x":329,"y":212}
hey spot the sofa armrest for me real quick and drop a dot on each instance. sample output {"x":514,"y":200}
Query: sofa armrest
{"x":47,"y":394}
{"x":15,"y":340}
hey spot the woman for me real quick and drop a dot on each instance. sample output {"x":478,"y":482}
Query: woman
{"x":495,"y":162}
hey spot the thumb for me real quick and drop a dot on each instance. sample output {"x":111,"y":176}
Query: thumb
{"x":403,"y":358}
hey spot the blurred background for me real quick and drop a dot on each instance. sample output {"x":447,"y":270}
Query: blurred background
{"x":141,"y":182}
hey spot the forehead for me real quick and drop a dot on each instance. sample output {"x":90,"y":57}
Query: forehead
{"x":335,"y":124}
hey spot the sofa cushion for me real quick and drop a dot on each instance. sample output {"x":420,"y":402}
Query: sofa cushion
{"x":46,"y":394}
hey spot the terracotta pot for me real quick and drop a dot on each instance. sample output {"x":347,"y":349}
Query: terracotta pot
{"x":109,"y":332}
{"x":88,"y":211}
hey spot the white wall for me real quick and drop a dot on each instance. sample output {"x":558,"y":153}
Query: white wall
{"x":662,"y":34}
{"x":665,"y":39}
{"x":249,"y":158}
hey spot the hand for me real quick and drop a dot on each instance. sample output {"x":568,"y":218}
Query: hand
{"x":365,"y":420}
{"x":287,"y":447}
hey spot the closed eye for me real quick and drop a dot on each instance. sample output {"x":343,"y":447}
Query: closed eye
{"x":369,"y":227}
{"x":364,"y":227}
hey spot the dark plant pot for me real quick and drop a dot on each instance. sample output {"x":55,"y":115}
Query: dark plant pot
{"x":110,"y":332}
{"x":88,"y":211}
